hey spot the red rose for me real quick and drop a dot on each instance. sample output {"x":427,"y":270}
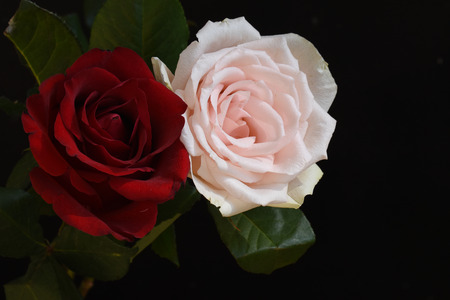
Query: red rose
{"x":106,"y":138}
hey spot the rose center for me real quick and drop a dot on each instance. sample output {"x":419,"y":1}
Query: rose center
{"x":114,"y":125}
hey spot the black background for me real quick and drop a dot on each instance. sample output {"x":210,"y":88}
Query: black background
{"x":379,"y":213}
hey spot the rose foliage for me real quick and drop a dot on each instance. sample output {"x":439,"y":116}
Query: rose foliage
{"x":118,"y":153}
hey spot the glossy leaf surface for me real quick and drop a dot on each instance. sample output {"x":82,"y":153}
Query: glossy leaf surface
{"x":43,"y":39}
{"x":265,"y":238}
{"x":149,"y":27}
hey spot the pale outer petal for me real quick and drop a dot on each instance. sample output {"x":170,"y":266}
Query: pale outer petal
{"x":228,"y":205}
{"x":319,"y":132}
{"x":212,"y":37}
{"x":162,"y":73}
{"x":301,"y":186}
{"x":310,"y":61}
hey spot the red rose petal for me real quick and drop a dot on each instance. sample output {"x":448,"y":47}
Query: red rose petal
{"x":114,"y":125}
{"x":80,"y":184}
{"x":42,"y":147}
{"x":93,"y":175}
{"x":129,"y":102}
{"x":165,"y":116}
{"x":52,"y":89}
{"x":156,"y":189}
{"x":172,"y":168}
{"x":65,"y":206}
{"x":133,"y":220}
{"x":80,"y":88}
{"x":65,"y":138}
{"x":123,"y":62}
{"x":127,"y":99}
{"x":43,"y":107}
{"x":93,"y":132}
{"x":173,"y":162}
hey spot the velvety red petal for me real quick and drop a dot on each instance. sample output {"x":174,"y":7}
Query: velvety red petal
{"x":173,"y":162}
{"x":102,"y":155}
{"x":52,"y":91}
{"x":122,"y":62}
{"x":156,"y":189}
{"x":131,"y":102}
{"x":80,"y":184}
{"x":43,"y":107}
{"x":165,"y":109}
{"x":65,"y":206}
{"x":171,"y":169}
{"x":133,"y":220}
{"x":78,"y":89}
{"x":43,"y":149}
{"x":94,"y":132}
{"x":93,"y":176}
{"x":48,"y":86}
{"x":133,"y":106}
{"x":65,"y":138}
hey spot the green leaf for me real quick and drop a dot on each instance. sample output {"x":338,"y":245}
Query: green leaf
{"x":166,"y":246}
{"x":19,"y":177}
{"x":45,"y":279}
{"x":20,"y":232}
{"x":94,"y":256}
{"x":11,"y":108}
{"x":45,"y":209}
{"x":149,"y":27}
{"x":74,"y":23}
{"x":265,"y":238}
{"x":168,"y":213}
{"x":154,"y":234}
{"x":184,"y":199}
{"x":90,"y":10}
{"x":43,"y":39}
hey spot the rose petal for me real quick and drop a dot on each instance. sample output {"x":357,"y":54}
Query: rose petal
{"x":165,"y":116}
{"x":204,"y":64}
{"x":170,"y":171}
{"x":162,"y":73}
{"x":212,"y":37}
{"x":129,"y":101}
{"x":318,"y":135}
{"x":293,"y":158}
{"x":239,"y":56}
{"x":66,"y":139}
{"x":133,"y":220}
{"x":123,"y":62}
{"x":310,"y":61}
{"x":218,"y":197}
{"x":276,"y":49}
{"x":42,"y":108}
{"x":208,"y":167}
{"x":275,"y":80}
{"x":155,"y":189}
{"x":42,"y":147}
{"x":189,"y":139}
{"x":79,"y":88}
{"x":304,"y":183}
{"x":65,"y":206}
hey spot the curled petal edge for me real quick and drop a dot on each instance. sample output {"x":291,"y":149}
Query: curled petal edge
{"x":299,"y":188}
{"x":302,"y":186}
{"x":162,"y":73}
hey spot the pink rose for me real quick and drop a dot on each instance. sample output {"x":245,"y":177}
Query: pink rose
{"x":257,"y":119}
